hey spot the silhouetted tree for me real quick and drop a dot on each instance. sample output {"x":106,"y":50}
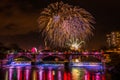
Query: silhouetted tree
{"x":15,"y":47}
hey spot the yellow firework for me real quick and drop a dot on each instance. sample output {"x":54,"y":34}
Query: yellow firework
{"x":75,"y":44}
{"x":61,"y":22}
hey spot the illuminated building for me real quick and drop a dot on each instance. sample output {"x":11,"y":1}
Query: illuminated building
{"x":113,"y":39}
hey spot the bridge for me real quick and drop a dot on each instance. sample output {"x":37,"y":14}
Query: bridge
{"x":77,"y":59}
{"x":55,"y":57}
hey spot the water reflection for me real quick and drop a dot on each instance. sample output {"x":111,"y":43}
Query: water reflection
{"x":6,"y":76}
{"x":41,"y":74}
{"x":50,"y":73}
{"x":26,"y":74}
{"x":59,"y":75}
{"x":77,"y":74}
{"x":10,"y":73}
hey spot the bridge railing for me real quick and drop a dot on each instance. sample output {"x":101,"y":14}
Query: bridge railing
{"x":66,"y":54}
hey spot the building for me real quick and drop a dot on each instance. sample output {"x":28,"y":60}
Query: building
{"x":113,"y":39}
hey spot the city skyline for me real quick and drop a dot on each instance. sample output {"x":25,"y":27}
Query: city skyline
{"x":19,"y":25}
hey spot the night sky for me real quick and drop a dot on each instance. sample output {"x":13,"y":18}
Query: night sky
{"x":18,"y":20}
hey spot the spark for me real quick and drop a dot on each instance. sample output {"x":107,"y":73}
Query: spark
{"x":61,"y":22}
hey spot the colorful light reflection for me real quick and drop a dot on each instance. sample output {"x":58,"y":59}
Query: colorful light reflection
{"x":10,"y":73}
{"x":59,"y":75}
{"x":77,"y":74}
{"x":40,"y":74}
{"x":22,"y":73}
{"x":27,"y":73}
{"x":34,"y":75}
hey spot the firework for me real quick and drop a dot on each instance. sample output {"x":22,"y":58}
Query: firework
{"x":61,"y":22}
{"x":75,"y":44}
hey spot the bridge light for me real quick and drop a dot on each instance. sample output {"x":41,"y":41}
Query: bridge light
{"x":76,"y":60}
{"x":34,"y":50}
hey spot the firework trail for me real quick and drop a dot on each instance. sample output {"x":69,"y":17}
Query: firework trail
{"x":61,"y":22}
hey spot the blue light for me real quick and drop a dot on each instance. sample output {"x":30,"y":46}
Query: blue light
{"x":85,"y":64}
{"x":94,"y":66}
{"x":50,"y":65}
{"x":20,"y":64}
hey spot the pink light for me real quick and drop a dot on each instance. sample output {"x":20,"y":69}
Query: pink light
{"x":40,"y":74}
{"x":97,"y":76}
{"x":26,"y":74}
{"x":50,"y":74}
{"x":59,"y":75}
{"x":19,"y":73}
{"x":34,"y":50}
{"x":97,"y":53}
{"x":85,"y":53}
{"x":87,"y":75}
{"x":10,"y":73}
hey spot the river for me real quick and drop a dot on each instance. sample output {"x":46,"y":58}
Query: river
{"x":48,"y":73}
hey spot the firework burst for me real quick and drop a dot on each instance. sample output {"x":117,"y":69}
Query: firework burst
{"x":61,"y":22}
{"x":75,"y":44}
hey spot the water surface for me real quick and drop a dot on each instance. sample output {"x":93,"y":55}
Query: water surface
{"x":49,"y":73}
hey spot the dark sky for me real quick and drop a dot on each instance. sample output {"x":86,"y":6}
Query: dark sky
{"x":18,"y":20}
